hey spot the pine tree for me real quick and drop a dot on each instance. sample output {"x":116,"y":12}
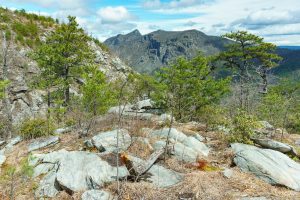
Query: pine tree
{"x":189,"y":86}
{"x":97,"y":93}
{"x":64,"y":56}
{"x":247,"y":55}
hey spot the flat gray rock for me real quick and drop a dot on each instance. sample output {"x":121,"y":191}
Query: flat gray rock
{"x":43,"y":142}
{"x":189,"y":151}
{"x":196,"y":145}
{"x":161,"y":176}
{"x":75,"y":170}
{"x":9,"y":146}
{"x":275,"y":145}
{"x":47,"y":186}
{"x":96,"y":195}
{"x":62,"y":130}
{"x":228,"y":173}
{"x":107,"y":141}
{"x":271,"y":166}
{"x":174,"y":134}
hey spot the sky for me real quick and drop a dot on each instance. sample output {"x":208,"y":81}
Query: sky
{"x":278,"y":21}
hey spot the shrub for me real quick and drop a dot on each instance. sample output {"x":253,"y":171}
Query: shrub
{"x":26,"y":169}
{"x":34,"y":128}
{"x":243,"y":128}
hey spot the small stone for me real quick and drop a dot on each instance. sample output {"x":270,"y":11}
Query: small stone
{"x":96,"y":195}
{"x":2,"y":159}
{"x":88,"y":144}
{"x":62,"y":130}
{"x":228,"y":173}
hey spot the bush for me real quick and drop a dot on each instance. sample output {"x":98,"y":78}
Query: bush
{"x":243,"y":128}
{"x":35,"y":128}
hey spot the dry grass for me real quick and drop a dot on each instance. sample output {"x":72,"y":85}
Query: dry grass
{"x":196,"y":184}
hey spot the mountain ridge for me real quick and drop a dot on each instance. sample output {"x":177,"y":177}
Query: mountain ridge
{"x":149,"y":52}
{"x":146,"y":53}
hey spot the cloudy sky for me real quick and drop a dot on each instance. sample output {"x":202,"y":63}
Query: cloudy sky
{"x":277,"y":21}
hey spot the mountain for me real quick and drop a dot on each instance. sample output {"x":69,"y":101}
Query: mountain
{"x":24,"y":32}
{"x":290,"y":47}
{"x":146,"y":53}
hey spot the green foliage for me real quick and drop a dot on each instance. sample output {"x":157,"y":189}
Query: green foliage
{"x":3,"y":85}
{"x":64,"y":55}
{"x":243,"y":128}
{"x":26,"y":169}
{"x":35,"y":128}
{"x":281,"y":106}
{"x":141,"y":85}
{"x":248,"y":55}
{"x":213,"y":115}
{"x":97,"y":93}
{"x":188,"y":86}
{"x":100,"y":44}
{"x":25,"y":30}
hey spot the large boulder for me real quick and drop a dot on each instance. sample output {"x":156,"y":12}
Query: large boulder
{"x":265,"y":128}
{"x":189,"y":150}
{"x":172,"y":133}
{"x":271,"y":166}
{"x":107,"y":141}
{"x":96,"y":195}
{"x":43,"y":142}
{"x":73,"y":171}
{"x":160,"y":176}
{"x":144,"y":104}
{"x":275,"y":145}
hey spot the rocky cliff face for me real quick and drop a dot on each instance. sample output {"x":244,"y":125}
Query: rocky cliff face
{"x":23,"y":101}
{"x":145,"y":53}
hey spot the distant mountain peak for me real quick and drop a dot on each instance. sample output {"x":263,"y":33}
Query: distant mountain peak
{"x":146,"y":53}
{"x":135,"y":32}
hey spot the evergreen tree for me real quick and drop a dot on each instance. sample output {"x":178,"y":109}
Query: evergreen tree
{"x":64,"y":55}
{"x":97,"y":93}
{"x":247,"y":55}
{"x":189,"y":86}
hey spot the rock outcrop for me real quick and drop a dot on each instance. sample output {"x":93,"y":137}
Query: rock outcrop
{"x":271,"y":166}
{"x":72,"y":171}
{"x":186,"y":148}
{"x":107,"y":141}
{"x":275,"y":145}
{"x":43,"y":142}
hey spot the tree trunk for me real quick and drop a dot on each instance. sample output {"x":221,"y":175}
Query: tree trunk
{"x":67,"y":88}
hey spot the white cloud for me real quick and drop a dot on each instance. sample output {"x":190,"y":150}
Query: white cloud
{"x":61,"y":4}
{"x":113,"y":15}
{"x":172,"y":4}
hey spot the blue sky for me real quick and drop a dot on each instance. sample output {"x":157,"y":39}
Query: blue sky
{"x":276,"y":20}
